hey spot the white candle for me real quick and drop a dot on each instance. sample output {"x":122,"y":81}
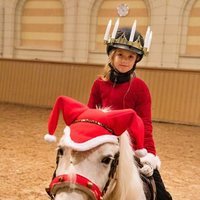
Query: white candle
{"x":149,"y":41}
{"x":106,"y":36}
{"x":146,"y":37}
{"x":115,"y":29}
{"x":133,"y":31}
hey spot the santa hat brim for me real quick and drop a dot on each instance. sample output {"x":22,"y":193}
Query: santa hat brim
{"x":86,"y":144}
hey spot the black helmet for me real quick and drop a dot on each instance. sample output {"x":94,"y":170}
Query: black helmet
{"x":121,"y":41}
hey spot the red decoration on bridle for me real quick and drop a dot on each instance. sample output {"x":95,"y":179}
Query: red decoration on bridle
{"x":81,"y":183}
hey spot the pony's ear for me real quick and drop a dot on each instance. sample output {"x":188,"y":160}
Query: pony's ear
{"x":70,"y":108}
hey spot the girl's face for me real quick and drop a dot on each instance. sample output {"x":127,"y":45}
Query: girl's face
{"x":124,"y":60}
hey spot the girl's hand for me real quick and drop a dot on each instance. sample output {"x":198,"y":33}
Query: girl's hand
{"x":149,"y":162}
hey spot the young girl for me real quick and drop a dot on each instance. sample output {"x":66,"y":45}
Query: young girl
{"x":119,"y":88}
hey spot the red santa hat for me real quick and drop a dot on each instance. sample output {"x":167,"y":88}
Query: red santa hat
{"x":88,"y":128}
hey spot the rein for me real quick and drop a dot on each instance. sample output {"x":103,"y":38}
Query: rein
{"x":111,"y":174}
{"x":148,"y":182}
{"x":81,"y":183}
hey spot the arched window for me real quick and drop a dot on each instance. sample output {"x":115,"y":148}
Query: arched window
{"x":42,"y":25}
{"x":108,"y":10}
{"x":193,"y":35}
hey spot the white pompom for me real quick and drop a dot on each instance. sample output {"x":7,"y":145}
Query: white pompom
{"x":50,"y":138}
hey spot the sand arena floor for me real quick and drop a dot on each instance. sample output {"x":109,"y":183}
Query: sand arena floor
{"x":27,"y":161}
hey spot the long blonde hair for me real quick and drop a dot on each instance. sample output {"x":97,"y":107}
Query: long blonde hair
{"x":106,"y":70}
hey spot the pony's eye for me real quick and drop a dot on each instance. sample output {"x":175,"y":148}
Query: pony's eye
{"x":106,"y":160}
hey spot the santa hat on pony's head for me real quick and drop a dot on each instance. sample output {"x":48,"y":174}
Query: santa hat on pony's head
{"x":88,"y":128}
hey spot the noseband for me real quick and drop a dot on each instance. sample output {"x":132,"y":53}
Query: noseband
{"x":81,"y":183}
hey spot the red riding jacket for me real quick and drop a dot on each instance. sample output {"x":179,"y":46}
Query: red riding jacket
{"x":133,"y":94}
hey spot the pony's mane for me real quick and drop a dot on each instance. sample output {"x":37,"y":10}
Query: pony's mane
{"x":129,"y":186}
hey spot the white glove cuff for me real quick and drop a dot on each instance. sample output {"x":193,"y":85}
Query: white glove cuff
{"x":141,"y":153}
{"x":158,"y":163}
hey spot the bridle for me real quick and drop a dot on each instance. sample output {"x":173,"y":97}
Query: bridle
{"x":88,"y":187}
{"x":81,"y":183}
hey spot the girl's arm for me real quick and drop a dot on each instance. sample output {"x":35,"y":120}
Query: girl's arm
{"x":143,"y":109}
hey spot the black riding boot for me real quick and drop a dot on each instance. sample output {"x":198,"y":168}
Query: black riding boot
{"x":162,"y":193}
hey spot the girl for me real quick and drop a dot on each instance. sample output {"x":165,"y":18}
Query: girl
{"x":119,"y":88}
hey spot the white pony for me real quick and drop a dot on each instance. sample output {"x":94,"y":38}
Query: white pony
{"x":95,"y":166}
{"x":95,"y":160}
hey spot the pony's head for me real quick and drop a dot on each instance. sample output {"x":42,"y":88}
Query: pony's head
{"x":94,"y":160}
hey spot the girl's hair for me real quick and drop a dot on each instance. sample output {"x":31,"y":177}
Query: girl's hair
{"x":106,"y":70}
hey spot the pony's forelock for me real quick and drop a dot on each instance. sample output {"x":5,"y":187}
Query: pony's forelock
{"x":71,"y":169}
{"x":105,"y":109}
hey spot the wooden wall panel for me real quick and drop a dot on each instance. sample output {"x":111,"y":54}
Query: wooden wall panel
{"x":175,"y":93}
{"x":39,"y":83}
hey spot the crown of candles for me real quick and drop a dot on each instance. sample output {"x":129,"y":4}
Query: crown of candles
{"x":110,"y":38}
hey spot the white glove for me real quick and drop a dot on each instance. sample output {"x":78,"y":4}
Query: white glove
{"x":147,"y":170}
{"x":149,"y":162}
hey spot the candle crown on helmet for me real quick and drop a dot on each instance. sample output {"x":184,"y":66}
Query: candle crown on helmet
{"x":122,"y":42}
{"x":129,"y":39}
